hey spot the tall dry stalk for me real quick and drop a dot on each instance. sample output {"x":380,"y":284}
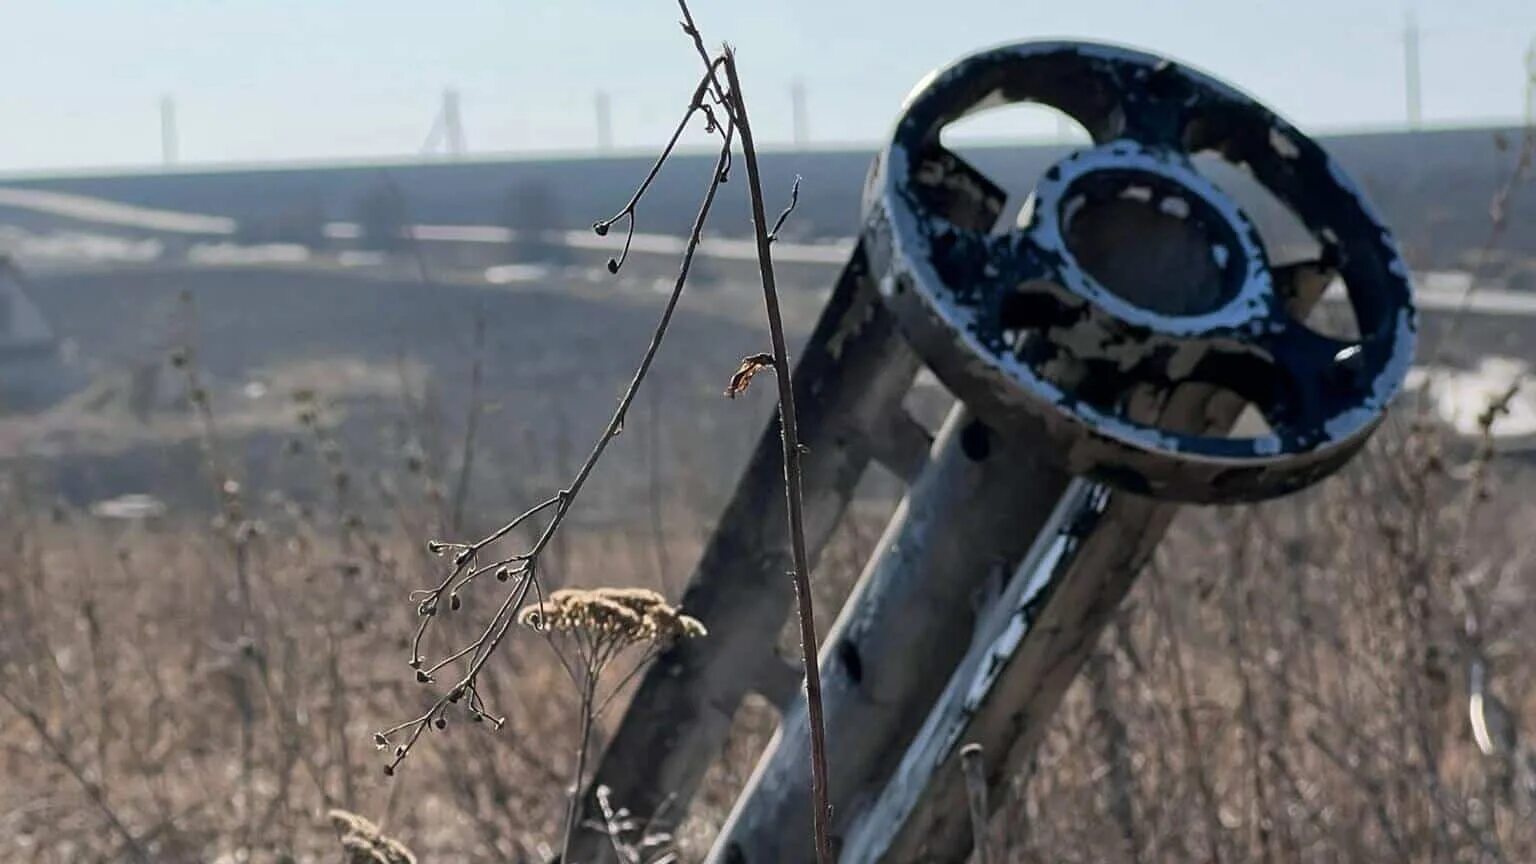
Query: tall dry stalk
{"x":724,"y":108}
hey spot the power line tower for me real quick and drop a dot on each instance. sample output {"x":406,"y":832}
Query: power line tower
{"x":170,"y":142}
{"x":447,"y":128}
{"x":604,"y":121}
{"x":1411,"y":80}
{"x":801,"y":130}
{"x":1530,"y":83}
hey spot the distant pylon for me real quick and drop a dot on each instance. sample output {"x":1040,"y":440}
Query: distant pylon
{"x":447,"y":128}
{"x":1530,"y":83}
{"x":453,"y":124}
{"x":170,"y":143}
{"x":604,"y":122}
{"x":1411,"y":81}
{"x":801,"y":130}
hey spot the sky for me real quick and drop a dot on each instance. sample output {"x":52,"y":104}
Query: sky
{"x":279,"y":80}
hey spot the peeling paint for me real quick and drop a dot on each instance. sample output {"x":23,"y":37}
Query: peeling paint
{"x":1015,"y":325}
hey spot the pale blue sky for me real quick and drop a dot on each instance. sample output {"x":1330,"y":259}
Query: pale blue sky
{"x":271,"y":80}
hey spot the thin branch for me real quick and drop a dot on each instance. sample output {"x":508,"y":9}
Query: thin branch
{"x":471,"y":424}
{"x":821,"y":815}
{"x":794,"y":199}
{"x":975,"y":772}
{"x":92,"y":789}
{"x":465,"y":555}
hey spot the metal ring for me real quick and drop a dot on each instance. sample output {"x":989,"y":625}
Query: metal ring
{"x":1022,"y":330}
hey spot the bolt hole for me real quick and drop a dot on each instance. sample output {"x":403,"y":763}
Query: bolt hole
{"x":853,"y":664}
{"x":976,"y":441}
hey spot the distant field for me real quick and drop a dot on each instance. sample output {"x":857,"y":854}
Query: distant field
{"x":1434,"y":187}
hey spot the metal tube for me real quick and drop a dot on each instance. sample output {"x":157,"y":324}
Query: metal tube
{"x":850,"y":379}
{"x":849,"y":382}
{"x":1028,"y":650}
{"x":968,"y":520}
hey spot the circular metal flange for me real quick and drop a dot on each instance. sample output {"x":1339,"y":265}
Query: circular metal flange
{"x":1015,"y":324}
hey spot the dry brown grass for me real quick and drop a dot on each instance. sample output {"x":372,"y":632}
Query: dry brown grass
{"x":1289,"y":683}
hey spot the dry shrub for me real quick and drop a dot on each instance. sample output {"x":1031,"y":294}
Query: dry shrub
{"x":1291,"y":682}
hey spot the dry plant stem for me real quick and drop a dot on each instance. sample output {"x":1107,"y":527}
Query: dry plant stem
{"x":525,"y":564}
{"x":574,"y":800}
{"x":971,"y":756}
{"x":93,"y":790}
{"x":472,"y":423}
{"x":821,"y":812}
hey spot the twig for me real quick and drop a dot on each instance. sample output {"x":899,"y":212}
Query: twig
{"x":573,"y":801}
{"x":821,"y":814}
{"x":92,"y":789}
{"x":471,"y":423}
{"x":524,"y":565}
{"x":794,"y":199}
{"x":976,"y":797}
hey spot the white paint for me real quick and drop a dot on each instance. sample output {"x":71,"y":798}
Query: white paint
{"x":1174,"y":206}
{"x":102,"y":211}
{"x":1282,"y":144}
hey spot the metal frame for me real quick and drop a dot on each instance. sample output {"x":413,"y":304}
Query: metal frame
{"x":999,"y":569}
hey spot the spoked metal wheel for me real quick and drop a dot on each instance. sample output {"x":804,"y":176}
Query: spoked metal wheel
{"x":1035,"y":325}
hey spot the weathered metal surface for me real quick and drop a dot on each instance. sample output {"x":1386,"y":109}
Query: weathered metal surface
{"x":1080,"y":357}
{"x":965,"y":523}
{"x":851,"y":375}
{"x":1025,"y":333}
{"x":1032,"y":643}
{"x":849,"y":381}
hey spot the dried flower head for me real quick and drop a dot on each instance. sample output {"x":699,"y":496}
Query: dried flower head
{"x":363,"y":843}
{"x":622,"y":615}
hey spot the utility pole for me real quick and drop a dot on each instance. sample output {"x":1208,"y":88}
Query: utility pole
{"x":169,"y":137}
{"x":447,"y":127}
{"x":1530,"y":83}
{"x":604,"y":122}
{"x":802,"y":133}
{"x":453,"y":125}
{"x":1411,"y":70}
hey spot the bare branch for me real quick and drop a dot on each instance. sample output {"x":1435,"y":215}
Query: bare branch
{"x":794,"y":198}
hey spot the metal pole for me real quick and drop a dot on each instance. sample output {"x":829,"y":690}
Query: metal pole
{"x":1411,"y":70}
{"x":1031,"y":644}
{"x":169,"y":136}
{"x":604,"y":122}
{"x":453,"y":125}
{"x":1530,"y":83}
{"x":968,"y":520}
{"x":797,"y":105}
{"x":849,"y":382}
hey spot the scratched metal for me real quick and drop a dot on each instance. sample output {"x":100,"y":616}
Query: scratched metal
{"x":1019,"y":329}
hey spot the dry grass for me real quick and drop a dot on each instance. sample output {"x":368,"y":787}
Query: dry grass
{"x":1290,"y":683}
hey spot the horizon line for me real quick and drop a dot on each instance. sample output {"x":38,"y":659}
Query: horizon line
{"x":236,"y":166}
